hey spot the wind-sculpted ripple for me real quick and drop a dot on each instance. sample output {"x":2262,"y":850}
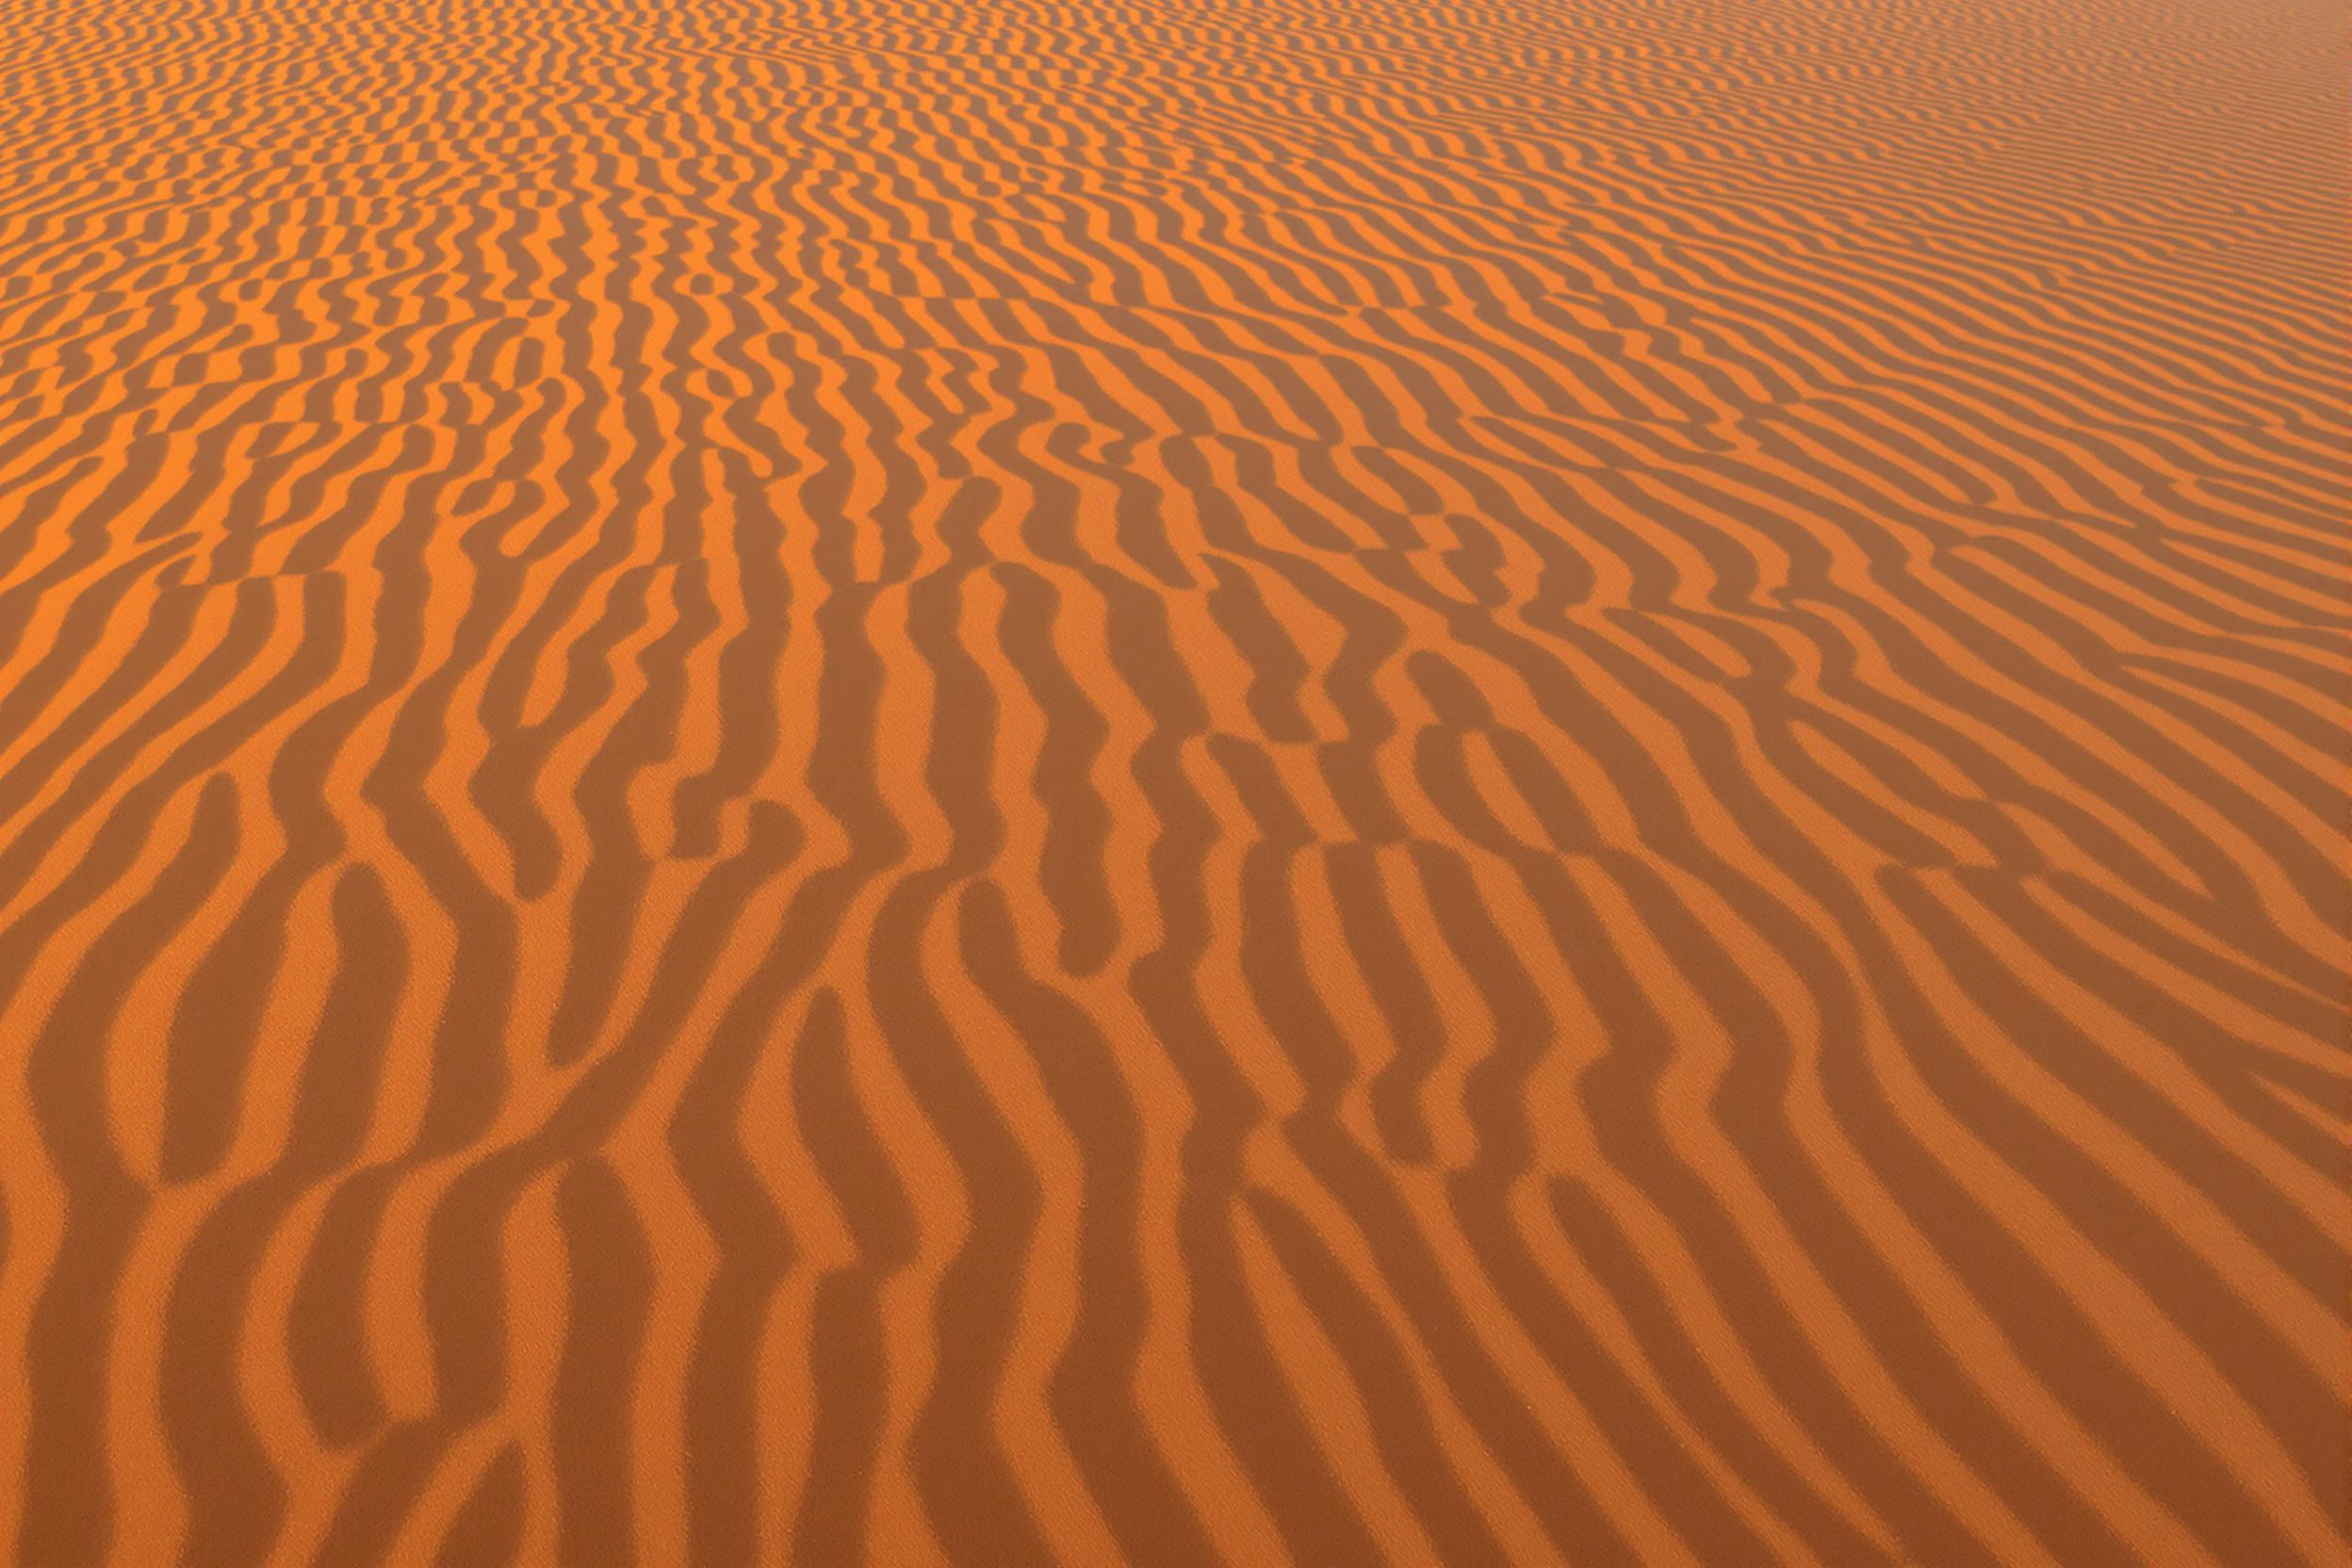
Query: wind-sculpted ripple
{"x":1069,"y":781}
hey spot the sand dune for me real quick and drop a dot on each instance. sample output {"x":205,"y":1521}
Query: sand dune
{"x":1080,"y":781}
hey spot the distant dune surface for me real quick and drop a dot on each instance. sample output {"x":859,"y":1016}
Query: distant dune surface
{"x":1251,"y":782}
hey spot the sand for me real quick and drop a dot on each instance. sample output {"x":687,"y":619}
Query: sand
{"x":1520,"y":781}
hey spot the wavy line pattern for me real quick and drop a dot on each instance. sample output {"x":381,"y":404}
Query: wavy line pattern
{"x":1492,"y":781}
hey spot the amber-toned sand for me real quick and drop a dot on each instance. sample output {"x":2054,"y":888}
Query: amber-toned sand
{"x":1325,"y":782}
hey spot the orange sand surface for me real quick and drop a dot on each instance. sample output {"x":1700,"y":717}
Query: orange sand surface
{"x":1319,"y":782}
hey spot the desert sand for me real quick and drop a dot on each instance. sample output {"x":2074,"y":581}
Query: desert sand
{"x":1317,"y":782}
